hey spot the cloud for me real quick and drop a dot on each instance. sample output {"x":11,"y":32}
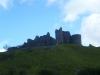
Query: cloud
{"x":2,"y":50}
{"x":50,"y":2}
{"x":90,"y":30}
{"x":2,"y":45}
{"x":88,"y":11}
{"x":6,"y":3}
{"x":29,"y":2}
{"x":74,"y":8}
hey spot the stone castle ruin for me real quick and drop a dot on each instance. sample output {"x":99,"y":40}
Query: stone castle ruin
{"x":65,"y":37}
{"x":47,"y":40}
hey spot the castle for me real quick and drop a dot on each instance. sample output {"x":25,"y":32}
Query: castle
{"x":65,"y":37}
{"x":46,"y":40}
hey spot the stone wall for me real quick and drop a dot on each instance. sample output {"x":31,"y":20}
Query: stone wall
{"x":76,"y":39}
{"x":47,"y":40}
{"x":59,"y":36}
{"x":66,"y":37}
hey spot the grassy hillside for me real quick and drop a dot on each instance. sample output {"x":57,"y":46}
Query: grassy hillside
{"x":65,"y":59}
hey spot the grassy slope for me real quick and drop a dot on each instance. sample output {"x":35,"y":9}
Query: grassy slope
{"x":65,"y":58}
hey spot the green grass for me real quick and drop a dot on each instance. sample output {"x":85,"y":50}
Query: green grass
{"x":65,"y":59}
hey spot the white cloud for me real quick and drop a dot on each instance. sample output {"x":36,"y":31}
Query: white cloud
{"x":6,"y":3}
{"x":90,"y":30}
{"x":2,"y":45}
{"x":2,"y":50}
{"x":49,"y":2}
{"x":29,"y":2}
{"x":90,"y":26}
{"x":74,"y":8}
{"x":89,"y":11}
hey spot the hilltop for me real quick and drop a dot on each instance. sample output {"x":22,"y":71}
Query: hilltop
{"x":46,"y":40}
{"x":64,"y":59}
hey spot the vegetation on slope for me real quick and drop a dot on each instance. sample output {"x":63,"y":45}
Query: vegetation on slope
{"x":64,"y":59}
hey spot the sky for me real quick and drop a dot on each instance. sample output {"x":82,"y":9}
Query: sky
{"x":23,"y":19}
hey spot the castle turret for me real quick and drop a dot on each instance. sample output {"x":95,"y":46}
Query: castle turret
{"x":29,"y":40}
{"x":76,"y":39}
{"x":48,"y":38}
{"x":36,"y":38}
{"x":59,"y":35}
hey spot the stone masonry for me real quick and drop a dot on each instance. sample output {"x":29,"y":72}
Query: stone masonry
{"x":46,"y":40}
{"x":65,"y":37}
{"x":59,"y":35}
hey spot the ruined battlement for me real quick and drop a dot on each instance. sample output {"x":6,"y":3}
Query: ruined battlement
{"x":46,"y":40}
{"x":76,"y":39}
{"x":58,"y":35}
{"x":65,"y":37}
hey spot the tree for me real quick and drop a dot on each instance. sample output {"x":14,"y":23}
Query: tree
{"x":6,"y":47}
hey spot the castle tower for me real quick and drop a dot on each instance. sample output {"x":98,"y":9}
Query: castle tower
{"x":76,"y":39}
{"x":36,"y":38}
{"x":66,"y":37}
{"x":59,"y":35}
{"x":48,"y":38}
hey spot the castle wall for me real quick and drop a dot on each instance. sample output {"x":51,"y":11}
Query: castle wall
{"x":66,"y":37}
{"x":76,"y":39}
{"x":44,"y":40}
{"x":47,"y":40}
{"x":59,"y":36}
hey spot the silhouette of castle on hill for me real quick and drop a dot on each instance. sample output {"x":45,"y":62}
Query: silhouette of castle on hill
{"x":46,"y":40}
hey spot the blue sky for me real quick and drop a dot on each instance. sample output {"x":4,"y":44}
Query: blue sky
{"x":23,"y":19}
